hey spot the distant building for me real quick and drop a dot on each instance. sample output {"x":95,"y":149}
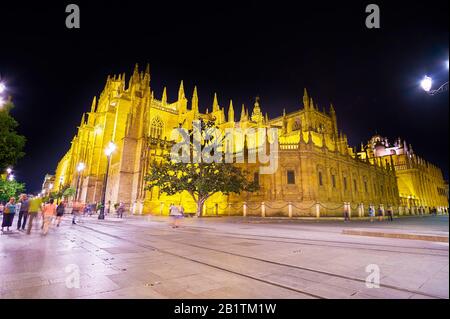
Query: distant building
{"x":317,"y":169}
{"x":420,"y":183}
{"x":48,"y":185}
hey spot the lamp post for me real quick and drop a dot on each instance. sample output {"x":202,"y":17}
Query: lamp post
{"x":108,"y":152}
{"x":80,"y":167}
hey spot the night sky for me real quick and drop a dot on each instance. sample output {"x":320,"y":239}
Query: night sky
{"x":237,"y":49}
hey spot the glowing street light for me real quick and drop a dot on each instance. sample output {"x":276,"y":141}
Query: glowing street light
{"x":11,"y":177}
{"x":108,"y":152}
{"x":426,"y":83}
{"x":2,"y":87}
{"x":9,"y":170}
{"x":110,"y":149}
{"x":81,"y":166}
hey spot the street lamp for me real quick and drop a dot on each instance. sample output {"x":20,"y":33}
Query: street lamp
{"x":80,"y":167}
{"x":427,"y":83}
{"x":108,"y":152}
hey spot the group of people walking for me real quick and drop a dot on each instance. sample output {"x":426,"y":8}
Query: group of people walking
{"x":29,"y":209}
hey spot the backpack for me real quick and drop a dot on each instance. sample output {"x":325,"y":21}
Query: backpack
{"x":7,"y":210}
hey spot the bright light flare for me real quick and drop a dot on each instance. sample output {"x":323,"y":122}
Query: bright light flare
{"x":2,"y":87}
{"x":110,"y":149}
{"x":426,"y":83}
{"x":81,"y":166}
{"x":11,"y":177}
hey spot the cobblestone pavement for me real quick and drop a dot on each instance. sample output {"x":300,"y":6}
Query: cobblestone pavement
{"x":143,"y":257}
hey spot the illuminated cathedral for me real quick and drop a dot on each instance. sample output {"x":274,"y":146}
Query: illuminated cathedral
{"x":318,"y":172}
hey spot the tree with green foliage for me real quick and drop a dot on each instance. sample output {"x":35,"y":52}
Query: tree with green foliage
{"x":11,"y":143}
{"x":10,"y":189}
{"x":68,"y":192}
{"x":200,"y":180}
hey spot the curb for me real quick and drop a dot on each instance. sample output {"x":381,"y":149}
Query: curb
{"x":396,"y":235}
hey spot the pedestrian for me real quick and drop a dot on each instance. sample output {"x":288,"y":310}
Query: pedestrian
{"x":346,"y":214}
{"x":75,"y":211}
{"x":60,"y":212}
{"x":371,"y":213}
{"x":48,"y":212}
{"x":33,"y":210}
{"x":380,"y":214}
{"x":23,"y":212}
{"x":8,"y":214}
{"x":175,"y":214}
{"x":2,"y":207}
{"x":120,"y":210}
{"x":390,"y":214}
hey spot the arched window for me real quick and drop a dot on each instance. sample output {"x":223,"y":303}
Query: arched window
{"x":156,"y":128}
{"x":296,"y":125}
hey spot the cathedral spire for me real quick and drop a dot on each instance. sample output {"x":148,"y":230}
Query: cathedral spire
{"x":194,"y":103}
{"x":94,"y":104}
{"x":181,"y":91}
{"x":243,"y":113}
{"x":164,"y":96}
{"x":215,"y":103}
{"x":305,"y":99}
{"x":83,"y":119}
{"x":231,"y":112}
{"x":256,"y":114}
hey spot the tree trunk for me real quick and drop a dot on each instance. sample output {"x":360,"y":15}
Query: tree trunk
{"x":200,"y":208}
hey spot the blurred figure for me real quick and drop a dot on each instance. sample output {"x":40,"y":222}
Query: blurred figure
{"x":380,"y":214}
{"x":371,"y":213}
{"x":23,"y":211}
{"x":33,"y":210}
{"x":48,"y":212}
{"x":60,"y":212}
{"x":120,"y":210}
{"x":390,"y":214}
{"x":346,"y":214}
{"x":8,"y":214}
{"x":77,"y":208}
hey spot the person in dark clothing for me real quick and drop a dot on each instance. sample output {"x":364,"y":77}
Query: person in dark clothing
{"x":23,"y":212}
{"x":390,"y":214}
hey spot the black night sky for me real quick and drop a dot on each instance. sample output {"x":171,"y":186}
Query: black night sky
{"x":239,"y":50}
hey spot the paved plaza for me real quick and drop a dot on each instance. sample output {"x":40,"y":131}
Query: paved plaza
{"x":143,"y":257}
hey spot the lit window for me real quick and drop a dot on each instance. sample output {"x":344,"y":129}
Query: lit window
{"x":156,"y":128}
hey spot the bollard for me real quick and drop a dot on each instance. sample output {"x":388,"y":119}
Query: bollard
{"x":263,"y":209}
{"x":317,"y":210}
{"x":290,"y":209}
{"x":244,"y":209}
{"x":349,"y":207}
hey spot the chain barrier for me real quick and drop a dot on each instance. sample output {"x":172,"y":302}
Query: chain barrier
{"x":303,"y":208}
{"x":328,"y":208}
{"x":268,"y":206}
